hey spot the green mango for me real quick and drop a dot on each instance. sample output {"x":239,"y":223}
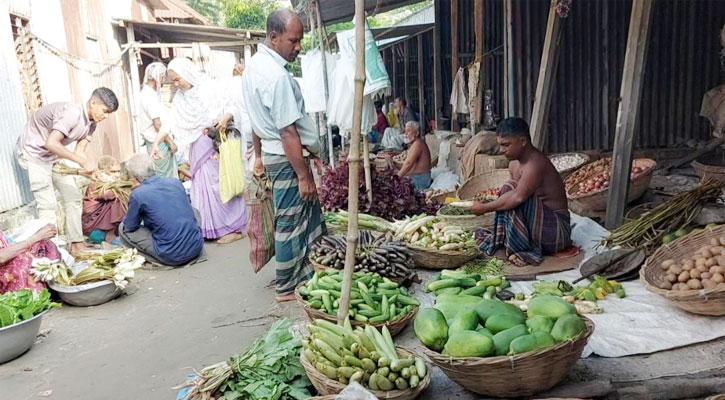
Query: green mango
{"x":469,"y":344}
{"x":501,"y":322}
{"x":567,"y":327}
{"x":539,"y":323}
{"x":502,"y":340}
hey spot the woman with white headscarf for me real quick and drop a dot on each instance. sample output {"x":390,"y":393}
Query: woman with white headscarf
{"x":200,"y":103}
{"x":159,"y":143}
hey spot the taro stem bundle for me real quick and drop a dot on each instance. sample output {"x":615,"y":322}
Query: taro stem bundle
{"x":647,"y":230}
{"x":120,"y":189}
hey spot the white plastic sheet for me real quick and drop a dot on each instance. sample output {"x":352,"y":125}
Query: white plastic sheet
{"x":313,"y":88}
{"x":340,"y":104}
{"x":376,"y":77}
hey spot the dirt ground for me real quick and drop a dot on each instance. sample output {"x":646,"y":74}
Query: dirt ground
{"x":142,"y":344}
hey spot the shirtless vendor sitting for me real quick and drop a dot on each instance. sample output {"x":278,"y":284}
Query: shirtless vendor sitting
{"x":417,"y":163}
{"x":532,"y":215}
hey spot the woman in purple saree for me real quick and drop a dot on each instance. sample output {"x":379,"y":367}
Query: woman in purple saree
{"x":198,"y":104}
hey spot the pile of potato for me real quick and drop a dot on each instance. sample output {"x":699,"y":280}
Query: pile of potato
{"x":704,"y":270}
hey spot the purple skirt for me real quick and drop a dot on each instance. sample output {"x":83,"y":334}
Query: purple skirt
{"x":217,"y":219}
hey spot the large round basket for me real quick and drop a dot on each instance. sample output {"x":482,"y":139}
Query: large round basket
{"x":320,"y":268}
{"x":597,"y":200}
{"x":514,"y":376}
{"x":468,"y":222}
{"x":394,"y":327}
{"x":703,"y":301}
{"x":441,"y":198}
{"x":583,"y":159}
{"x":441,"y":259}
{"x":481,"y":182}
{"x":705,"y":171}
{"x":326,"y":386}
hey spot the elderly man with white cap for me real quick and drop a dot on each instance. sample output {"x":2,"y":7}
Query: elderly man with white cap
{"x":159,"y":143}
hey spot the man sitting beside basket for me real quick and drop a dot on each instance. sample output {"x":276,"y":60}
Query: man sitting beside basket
{"x":417,"y":164}
{"x":532,"y":215}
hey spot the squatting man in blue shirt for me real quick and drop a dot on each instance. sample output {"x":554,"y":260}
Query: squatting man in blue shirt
{"x":160,"y":222}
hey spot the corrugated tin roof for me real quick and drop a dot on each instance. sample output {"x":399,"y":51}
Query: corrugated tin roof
{"x":333,"y":11}
{"x":176,"y":9}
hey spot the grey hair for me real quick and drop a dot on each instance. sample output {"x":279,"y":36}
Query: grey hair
{"x":413,"y":124}
{"x":140,"y":166}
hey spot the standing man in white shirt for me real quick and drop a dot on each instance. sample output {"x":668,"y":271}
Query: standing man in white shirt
{"x":159,"y":143}
{"x":284,"y":139}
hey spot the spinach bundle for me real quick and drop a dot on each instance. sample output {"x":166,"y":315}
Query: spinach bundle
{"x":22,"y":305}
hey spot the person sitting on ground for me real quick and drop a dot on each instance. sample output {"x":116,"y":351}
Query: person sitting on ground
{"x":417,"y":163}
{"x":160,"y":222}
{"x":16,"y":259}
{"x":532,"y":214}
{"x":382,"y":124}
{"x":102,"y":212}
{"x":392,"y":117}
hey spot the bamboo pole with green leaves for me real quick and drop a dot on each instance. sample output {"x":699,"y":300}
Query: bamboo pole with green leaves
{"x":354,"y":160}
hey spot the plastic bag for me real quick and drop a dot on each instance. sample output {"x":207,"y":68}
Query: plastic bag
{"x":355,"y":391}
{"x":445,"y":181}
{"x":261,"y":223}
{"x":231,"y":171}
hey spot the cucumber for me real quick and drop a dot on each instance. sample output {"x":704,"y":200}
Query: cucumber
{"x":399,"y":364}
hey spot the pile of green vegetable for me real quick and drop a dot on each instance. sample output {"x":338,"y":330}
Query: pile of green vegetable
{"x":365,"y":356}
{"x":383,"y":255}
{"x":490,"y":267}
{"x":598,"y":289}
{"x":460,"y":327}
{"x":116,"y":265}
{"x":427,"y":231}
{"x":269,"y":369}
{"x":373,"y":298}
{"x":364,"y":221}
{"x":453,"y":210}
{"x":22,"y":305}
{"x":456,"y":282}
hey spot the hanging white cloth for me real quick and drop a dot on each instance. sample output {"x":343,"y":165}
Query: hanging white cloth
{"x":458,"y":94}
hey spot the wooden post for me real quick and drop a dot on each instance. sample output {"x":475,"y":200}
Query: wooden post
{"x":135,"y":88}
{"x":421,"y":81}
{"x":366,"y":166}
{"x":547,"y":78}
{"x":634,"y":63}
{"x":437,"y":84}
{"x":406,"y":67}
{"x":454,"y":56}
{"x":509,"y":97}
{"x":395,"y":90}
{"x":476,"y":113}
{"x":352,"y":208}
{"x":320,"y":26}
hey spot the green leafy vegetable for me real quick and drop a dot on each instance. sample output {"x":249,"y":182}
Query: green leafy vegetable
{"x":22,"y":305}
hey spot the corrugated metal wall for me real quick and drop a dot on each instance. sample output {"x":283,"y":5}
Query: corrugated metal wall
{"x":13,"y":180}
{"x":682,"y":64}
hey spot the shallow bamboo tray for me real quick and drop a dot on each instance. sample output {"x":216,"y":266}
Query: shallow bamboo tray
{"x":514,"y":376}
{"x":483,"y":181}
{"x":441,"y":259}
{"x":597,"y":200}
{"x":326,"y":386}
{"x":703,"y":301}
{"x":705,"y":171}
{"x":394,"y":327}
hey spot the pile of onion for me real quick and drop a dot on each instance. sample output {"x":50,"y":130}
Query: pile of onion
{"x":704,"y":270}
{"x":600,"y":180}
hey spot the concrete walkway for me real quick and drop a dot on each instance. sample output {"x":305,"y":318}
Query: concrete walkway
{"x":142,"y":344}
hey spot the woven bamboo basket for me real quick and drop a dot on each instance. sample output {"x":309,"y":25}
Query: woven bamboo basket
{"x":705,"y":171}
{"x":320,"y":268}
{"x":483,"y":181}
{"x":468,"y":222}
{"x":703,"y":301}
{"x":565,"y":173}
{"x":441,"y":259}
{"x":394,"y":327}
{"x":514,"y":376}
{"x":326,"y":386}
{"x":597,"y":200}
{"x":441,"y":198}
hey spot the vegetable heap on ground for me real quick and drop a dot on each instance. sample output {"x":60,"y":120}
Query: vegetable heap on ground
{"x":364,"y":221}
{"x":428,"y":231}
{"x":373,"y":298}
{"x":490,"y":327}
{"x":393,"y":197}
{"x":705,"y":269}
{"x":269,"y":369}
{"x":460,"y":282}
{"x":598,"y":289}
{"x":481,"y":266}
{"x":365,"y":356}
{"x":647,"y":231}
{"x":23,"y":304}
{"x":383,"y":255}
{"x":114,"y":265}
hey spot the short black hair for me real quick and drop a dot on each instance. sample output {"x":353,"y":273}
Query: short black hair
{"x":378,"y":104}
{"x":513,"y":127}
{"x":277,"y":21}
{"x":107,"y":97}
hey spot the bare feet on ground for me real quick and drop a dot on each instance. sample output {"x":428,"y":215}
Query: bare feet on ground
{"x":286,"y":297}
{"x":517,"y":261}
{"x":232,"y":237}
{"x":78,"y":247}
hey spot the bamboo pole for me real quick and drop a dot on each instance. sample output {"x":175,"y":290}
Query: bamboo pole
{"x":323,"y":49}
{"x":366,"y":166}
{"x":354,"y":159}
